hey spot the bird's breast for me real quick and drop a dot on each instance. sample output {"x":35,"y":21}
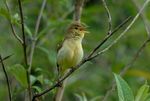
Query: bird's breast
{"x":70,"y":54}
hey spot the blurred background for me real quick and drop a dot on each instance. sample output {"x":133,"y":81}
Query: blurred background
{"x":95,"y":77}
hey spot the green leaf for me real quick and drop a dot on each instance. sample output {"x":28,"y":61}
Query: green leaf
{"x":27,"y":29}
{"x":148,"y":99}
{"x":15,"y":19}
{"x":84,"y":97}
{"x":19,"y":72}
{"x":4,"y":13}
{"x":81,"y":97}
{"x":142,"y":93}
{"x":38,"y":89}
{"x":33,"y":79}
{"x":40,"y":79}
{"x":50,"y":54}
{"x":97,"y":98}
{"x":124,"y":91}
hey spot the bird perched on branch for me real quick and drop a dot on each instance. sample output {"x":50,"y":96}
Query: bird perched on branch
{"x":70,"y":53}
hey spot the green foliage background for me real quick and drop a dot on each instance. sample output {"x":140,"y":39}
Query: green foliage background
{"x":95,"y":77}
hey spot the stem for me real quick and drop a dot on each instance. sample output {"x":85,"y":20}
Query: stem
{"x":109,"y":17}
{"x":7,"y":80}
{"x":5,"y":58}
{"x":24,"y":49}
{"x":35,"y":34}
{"x":11,"y":25}
{"x":144,"y":18}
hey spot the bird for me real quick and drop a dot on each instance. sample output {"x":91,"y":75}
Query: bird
{"x":70,"y":52}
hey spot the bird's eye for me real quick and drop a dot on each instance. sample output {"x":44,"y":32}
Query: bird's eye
{"x":76,"y":27}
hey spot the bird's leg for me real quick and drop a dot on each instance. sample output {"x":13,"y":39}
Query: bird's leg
{"x":58,"y":79}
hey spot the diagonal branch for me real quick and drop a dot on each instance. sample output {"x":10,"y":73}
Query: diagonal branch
{"x":11,"y":25}
{"x":78,"y":66}
{"x":5,"y":58}
{"x":7,"y":80}
{"x":134,"y":57}
{"x":107,"y":37}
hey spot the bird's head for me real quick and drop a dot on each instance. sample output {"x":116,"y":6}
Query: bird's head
{"x":77,"y":30}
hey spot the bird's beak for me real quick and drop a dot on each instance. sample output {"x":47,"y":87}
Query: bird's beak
{"x":86,"y":32}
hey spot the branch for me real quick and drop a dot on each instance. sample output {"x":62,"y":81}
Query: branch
{"x":79,"y":65}
{"x":107,"y":37}
{"x":78,"y":10}
{"x":5,"y":58}
{"x":35,"y":34}
{"x":23,"y":32}
{"x":24,"y":49}
{"x":34,"y":37}
{"x":134,"y":57}
{"x":144,"y":18}
{"x":11,"y":25}
{"x":7,"y":80}
{"x":109,"y":17}
{"x":39,"y":17}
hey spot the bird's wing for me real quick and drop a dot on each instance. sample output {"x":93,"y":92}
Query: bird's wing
{"x":59,"y":45}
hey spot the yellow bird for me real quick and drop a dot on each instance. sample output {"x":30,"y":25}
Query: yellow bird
{"x":70,"y":52}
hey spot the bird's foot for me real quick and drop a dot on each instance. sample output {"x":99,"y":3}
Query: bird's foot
{"x":59,"y":84}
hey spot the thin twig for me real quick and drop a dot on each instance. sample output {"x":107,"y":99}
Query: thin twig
{"x":109,"y":17}
{"x":5,"y":58}
{"x":35,"y":34}
{"x":144,"y":18}
{"x":78,"y":10}
{"x":135,"y":57}
{"x":107,"y":37}
{"x":39,"y":17}
{"x":78,"y":66}
{"x":7,"y":80}
{"x":24,"y":49}
{"x":11,"y":25}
